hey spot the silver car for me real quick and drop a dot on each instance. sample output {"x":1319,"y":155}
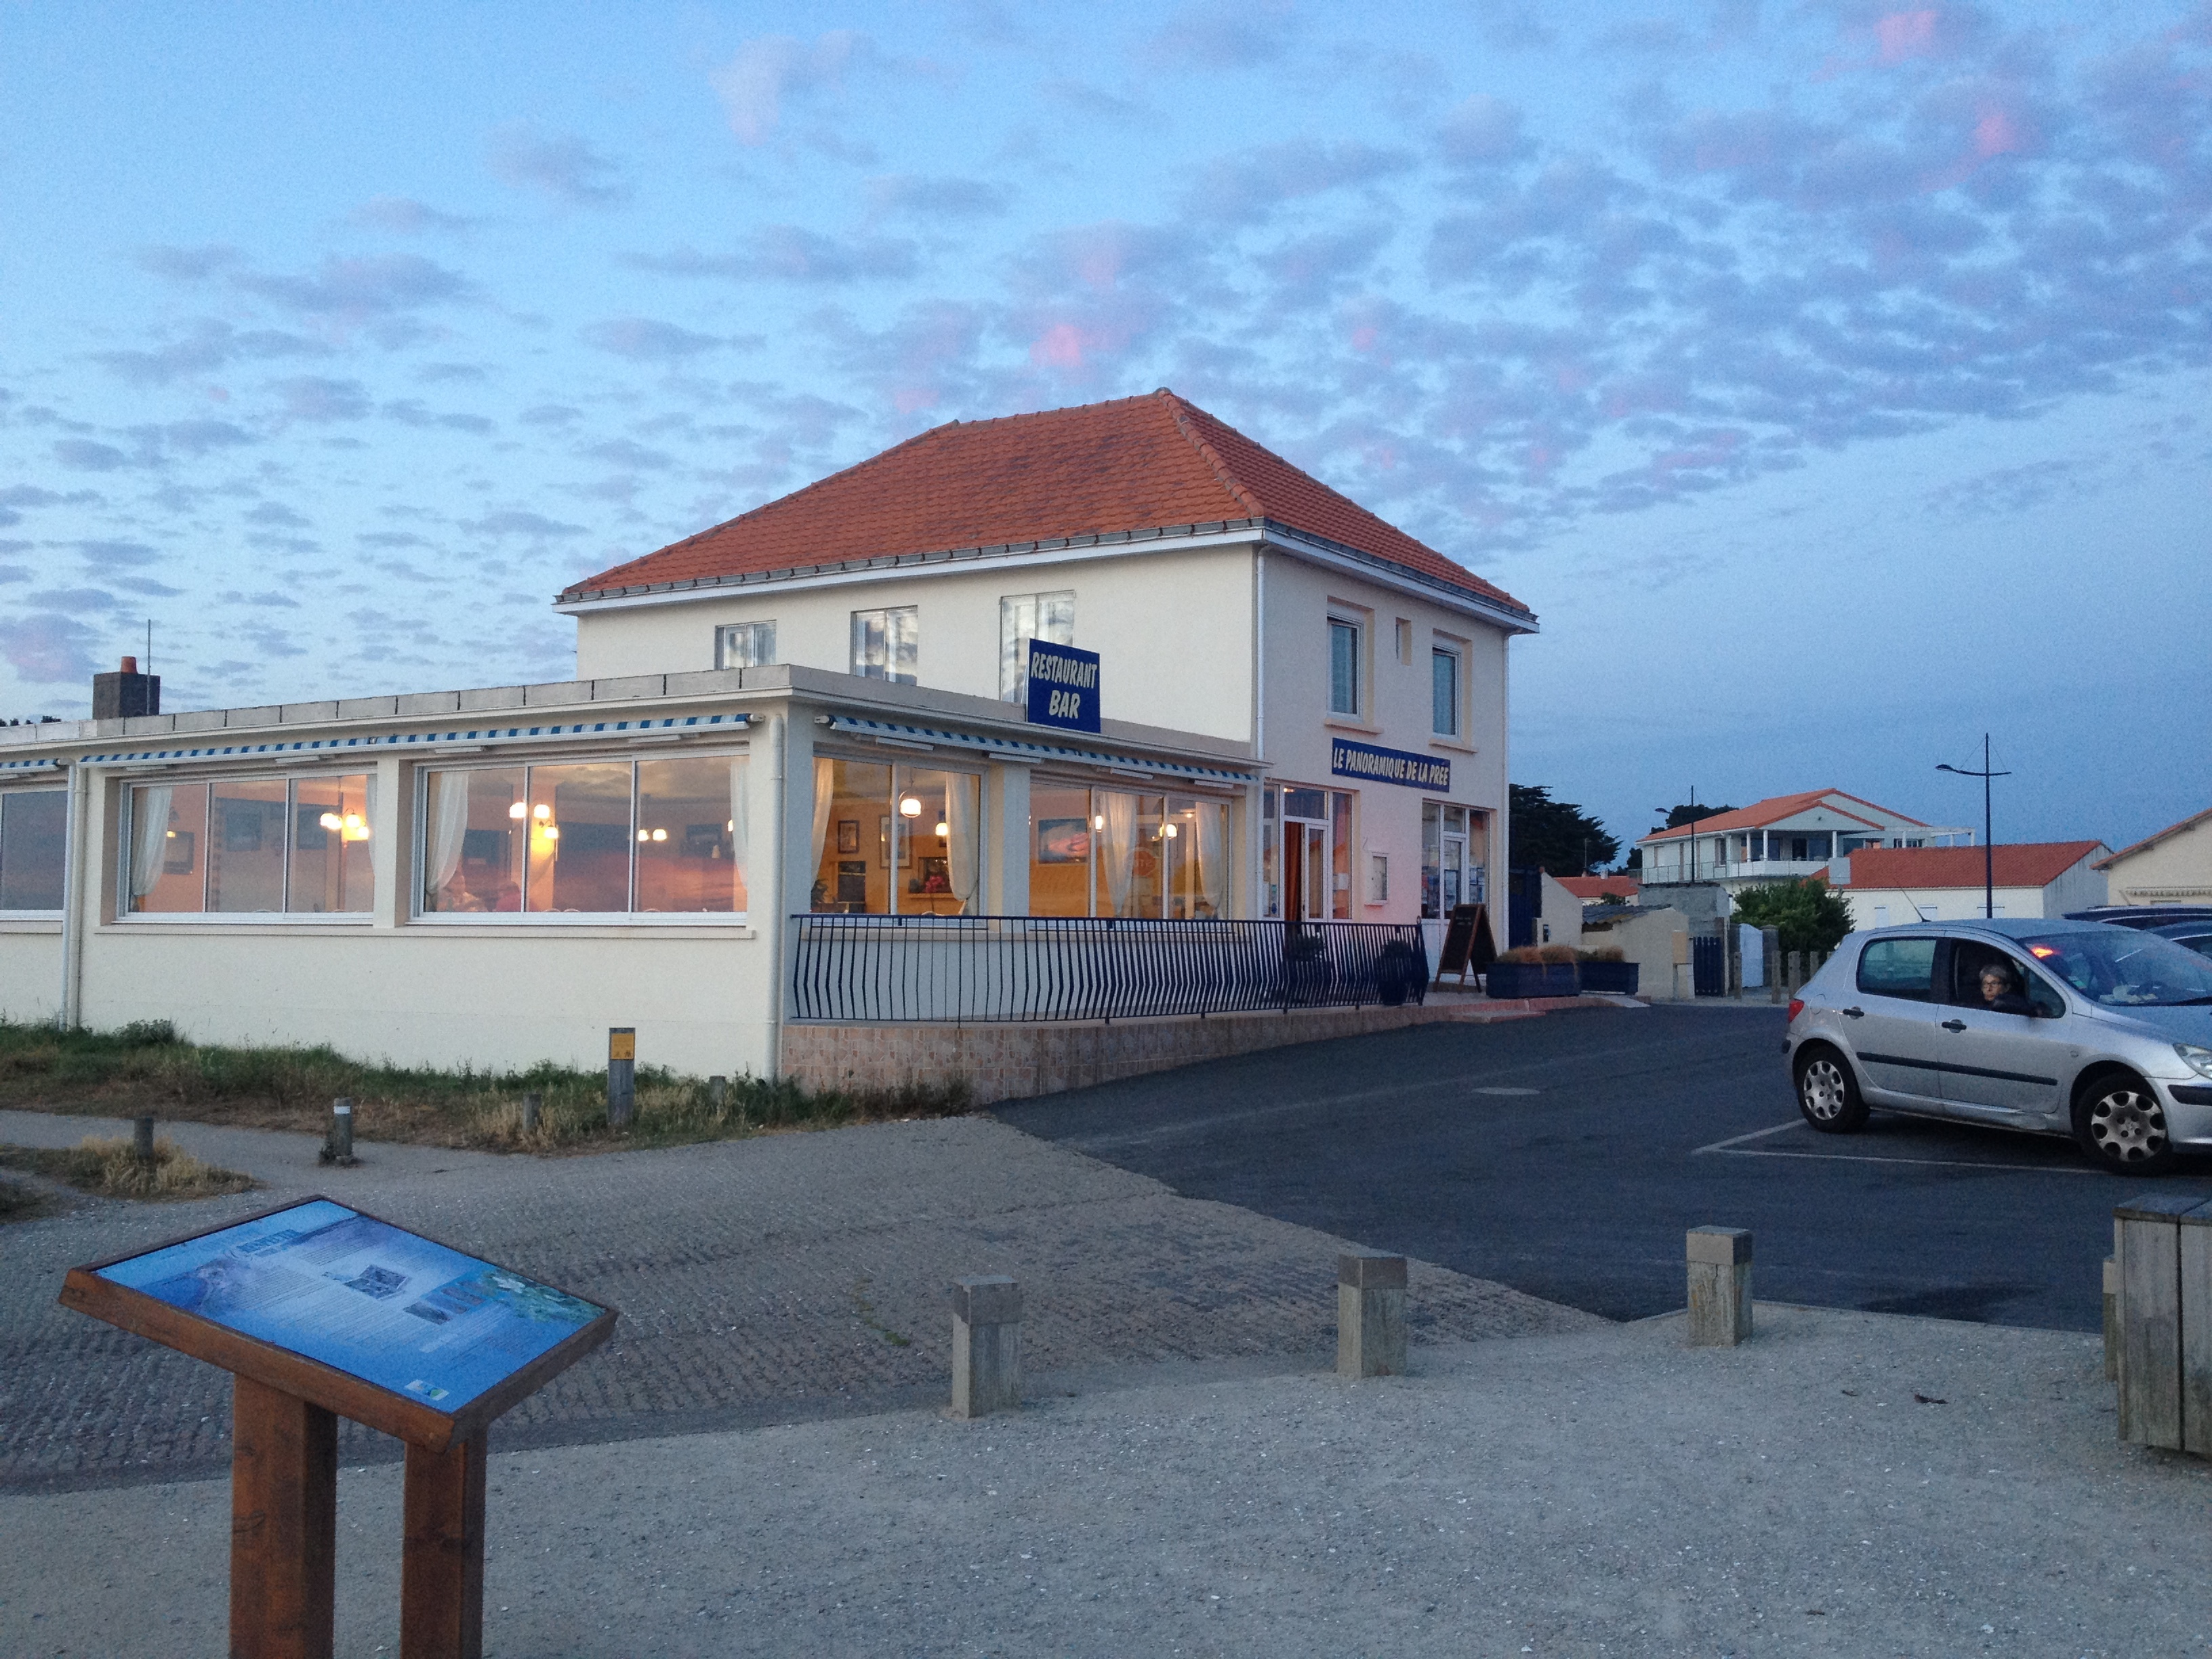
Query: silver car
{"x":2055,"y":1027}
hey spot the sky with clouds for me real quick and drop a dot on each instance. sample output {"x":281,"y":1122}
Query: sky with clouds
{"x":1828,"y":377}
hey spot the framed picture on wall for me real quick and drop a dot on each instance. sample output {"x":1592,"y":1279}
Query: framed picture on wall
{"x":1063,"y":841}
{"x":177,"y":860}
{"x":905,"y":843}
{"x":848,"y":835}
{"x":853,"y":881}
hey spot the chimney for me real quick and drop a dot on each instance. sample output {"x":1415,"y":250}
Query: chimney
{"x":123,"y":694}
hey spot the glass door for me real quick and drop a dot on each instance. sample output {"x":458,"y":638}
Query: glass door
{"x":1305,"y":869}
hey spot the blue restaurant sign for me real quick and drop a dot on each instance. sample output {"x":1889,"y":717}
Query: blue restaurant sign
{"x":1363,"y":759}
{"x":1063,"y":686}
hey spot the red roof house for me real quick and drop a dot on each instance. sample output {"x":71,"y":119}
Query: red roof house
{"x":1886,"y":885}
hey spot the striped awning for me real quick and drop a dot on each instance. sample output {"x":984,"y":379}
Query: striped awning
{"x":900,"y":734}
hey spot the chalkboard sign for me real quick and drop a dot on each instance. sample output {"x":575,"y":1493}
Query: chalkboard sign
{"x":1469,"y":947}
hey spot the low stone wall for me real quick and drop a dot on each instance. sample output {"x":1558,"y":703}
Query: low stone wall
{"x":1014,"y":1061}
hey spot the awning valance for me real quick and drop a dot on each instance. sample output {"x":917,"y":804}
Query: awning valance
{"x":900,"y":734}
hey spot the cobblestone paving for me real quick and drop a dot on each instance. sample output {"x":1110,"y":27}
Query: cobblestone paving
{"x":776,"y":1278}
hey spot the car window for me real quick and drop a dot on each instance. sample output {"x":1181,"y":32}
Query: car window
{"x":2120,"y":968}
{"x":1898,"y":968}
{"x":1970,"y":959}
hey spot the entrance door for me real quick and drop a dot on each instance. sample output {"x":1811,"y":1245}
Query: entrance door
{"x":1305,"y":870}
{"x":1449,"y":871}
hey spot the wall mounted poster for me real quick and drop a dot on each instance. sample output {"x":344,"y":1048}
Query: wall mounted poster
{"x":368,"y":1299}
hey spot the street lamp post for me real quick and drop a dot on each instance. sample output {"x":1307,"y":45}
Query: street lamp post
{"x":1989,"y":847}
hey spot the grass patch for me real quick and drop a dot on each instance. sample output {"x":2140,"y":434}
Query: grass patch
{"x":147,"y":1068}
{"x":110,"y":1169}
{"x":20,"y":1202}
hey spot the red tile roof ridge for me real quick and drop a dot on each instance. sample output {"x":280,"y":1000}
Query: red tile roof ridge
{"x":1761,"y":814}
{"x":1197,"y":440}
{"x":2016,"y":864}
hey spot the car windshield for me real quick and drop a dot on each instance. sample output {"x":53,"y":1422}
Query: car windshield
{"x":2124,"y":968}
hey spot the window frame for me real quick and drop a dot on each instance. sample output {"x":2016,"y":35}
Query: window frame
{"x":57,"y":912}
{"x":119,"y":914}
{"x":723,"y":631}
{"x":419,"y":849}
{"x":1450,"y":651}
{"x":890,"y":674}
{"x":1013,"y":653}
{"x":1354,"y":628}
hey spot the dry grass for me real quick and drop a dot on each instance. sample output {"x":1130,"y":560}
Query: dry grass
{"x":145,"y":1069}
{"x":20,"y":1201}
{"x":110,"y":1169}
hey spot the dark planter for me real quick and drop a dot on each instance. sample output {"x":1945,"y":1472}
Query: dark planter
{"x":1531,"y":979}
{"x":1399,"y":973}
{"x":1618,"y":977}
{"x":1307,"y":972}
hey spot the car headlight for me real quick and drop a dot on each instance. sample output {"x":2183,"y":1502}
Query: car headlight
{"x":2197,"y":1058}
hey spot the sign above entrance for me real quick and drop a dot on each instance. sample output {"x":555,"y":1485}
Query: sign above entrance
{"x":1365,"y":760}
{"x":1063,"y":686}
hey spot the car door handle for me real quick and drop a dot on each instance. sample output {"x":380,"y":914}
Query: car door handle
{"x":1854,"y":1013}
{"x":1954,"y":1024}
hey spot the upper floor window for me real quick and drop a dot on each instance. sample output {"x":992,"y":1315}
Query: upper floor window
{"x":1343,"y":666}
{"x":33,"y":835}
{"x":250,"y":847}
{"x":745,"y":645}
{"x":1443,"y":691}
{"x":1023,"y":617}
{"x":886,"y":644}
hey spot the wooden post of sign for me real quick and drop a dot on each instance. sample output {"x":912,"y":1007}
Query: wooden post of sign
{"x":284,"y":1524}
{"x":441,"y":1562}
{"x":622,"y":1075}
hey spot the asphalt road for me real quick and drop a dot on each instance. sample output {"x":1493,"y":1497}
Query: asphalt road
{"x":1565,"y":1157}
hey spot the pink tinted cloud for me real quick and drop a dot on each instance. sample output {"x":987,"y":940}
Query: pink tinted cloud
{"x":1997,"y":134}
{"x":1903,"y":34}
{"x":1060,"y":346}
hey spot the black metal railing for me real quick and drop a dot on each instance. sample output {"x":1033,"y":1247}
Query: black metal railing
{"x":963,"y":969}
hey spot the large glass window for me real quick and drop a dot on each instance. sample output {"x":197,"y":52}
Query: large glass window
{"x":662,"y":836}
{"x":1023,"y":617}
{"x":250,"y":847}
{"x":33,"y":833}
{"x":896,"y":841}
{"x":1343,"y":666}
{"x":1455,"y":857}
{"x":745,"y":645}
{"x":886,"y":644}
{"x":1114,"y":853}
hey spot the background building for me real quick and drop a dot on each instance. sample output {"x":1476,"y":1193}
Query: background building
{"x":1886,"y":885}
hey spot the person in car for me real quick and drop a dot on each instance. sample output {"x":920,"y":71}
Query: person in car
{"x":2000,"y":990}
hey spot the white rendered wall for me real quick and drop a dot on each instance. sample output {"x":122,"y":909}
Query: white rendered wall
{"x":30,"y":971}
{"x":1173,"y":629}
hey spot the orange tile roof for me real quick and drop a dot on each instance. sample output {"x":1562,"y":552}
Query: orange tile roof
{"x":1759,"y":814}
{"x":1597,"y":887}
{"x":2024,"y":864}
{"x":1142,"y":464}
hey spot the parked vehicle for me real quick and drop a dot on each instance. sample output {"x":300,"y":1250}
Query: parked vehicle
{"x":2053,"y":1027}
{"x":2196,"y":935}
{"x":2142,"y":915}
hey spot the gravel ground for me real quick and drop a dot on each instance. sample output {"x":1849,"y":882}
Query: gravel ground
{"x":1846,"y":1484}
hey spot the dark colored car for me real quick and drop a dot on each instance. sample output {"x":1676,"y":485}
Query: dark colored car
{"x":2142,"y":915}
{"x":2196,"y":935}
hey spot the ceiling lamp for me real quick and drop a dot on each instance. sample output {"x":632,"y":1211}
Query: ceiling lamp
{"x":910,"y":806}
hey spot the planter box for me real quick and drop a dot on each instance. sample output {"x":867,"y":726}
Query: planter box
{"x":1531,"y":979}
{"x":1618,"y":977}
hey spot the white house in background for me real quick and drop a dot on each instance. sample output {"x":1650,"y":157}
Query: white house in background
{"x":813,"y":715}
{"x":2173,"y":866}
{"x":1785,"y":839}
{"x":1888,"y":886}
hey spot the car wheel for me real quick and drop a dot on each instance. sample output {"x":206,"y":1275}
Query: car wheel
{"x":2120,"y":1124}
{"x":1827,"y":1093}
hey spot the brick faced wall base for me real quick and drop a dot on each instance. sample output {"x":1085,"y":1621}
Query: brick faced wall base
{"x":1012,"y":1062}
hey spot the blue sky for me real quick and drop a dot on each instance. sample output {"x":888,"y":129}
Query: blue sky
{"x":1828,"y":378}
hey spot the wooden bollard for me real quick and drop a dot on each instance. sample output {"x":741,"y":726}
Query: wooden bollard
{"x":533,"y":1103}
{"x":2195,"y":1243}
{"x":718,"y":1090}
{"x":338,"y":1149}
{"x":622,"y":1074}
{"x":142,"y":1139}
{"x":1371,"y":1315}
{"x":2112,"y":1319}
{"x":986,"y":1345}
{"x":2150,"y":1318}
{"x":1720,"y":1286}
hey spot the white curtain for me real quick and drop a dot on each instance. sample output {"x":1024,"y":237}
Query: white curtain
{"x":1117,"y":845}
{"x":150,"y":836}
{"x":825,"y":795}
{"x":1213,"y":840}
{"x":960,"y":848}
{"x":449,"y":829}
{"x":740,"y":829}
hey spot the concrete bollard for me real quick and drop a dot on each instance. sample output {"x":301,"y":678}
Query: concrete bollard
{"x":142,"y":1139}
{"x":622,"y":1074}
{"x":338,"y":1149}
{"x":533,"y":1103}
{"x":1775,"y":975}
{"x":1720,"y":1286}
{"x":1371,"y":1315}
{"x":2112,"y":1319}
{"x":986,"y":1345}
{"x":718,"y":1090}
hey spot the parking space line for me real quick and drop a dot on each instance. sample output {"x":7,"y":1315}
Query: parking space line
{"x":1937,"y":1162}
{"x":1756,"y":1134}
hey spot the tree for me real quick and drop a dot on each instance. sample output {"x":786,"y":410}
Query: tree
{"x":1556,"y":836}
{"x":1809,"y":915}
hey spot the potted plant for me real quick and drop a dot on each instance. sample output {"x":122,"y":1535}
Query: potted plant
{"x":1607,"y":968}
{"x":1306,"y":970}
{"x":1400,"y":971}
{"x":1534,"y":971}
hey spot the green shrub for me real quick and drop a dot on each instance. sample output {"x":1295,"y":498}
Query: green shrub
{"x":1810,"y":916}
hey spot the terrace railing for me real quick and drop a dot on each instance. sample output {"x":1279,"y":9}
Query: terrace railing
{"x":849,"y":969}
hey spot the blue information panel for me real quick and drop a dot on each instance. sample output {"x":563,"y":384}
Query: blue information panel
{"x":1063,"y":686}
{"x":364,"y":1296}
{"x":1365,"y":760}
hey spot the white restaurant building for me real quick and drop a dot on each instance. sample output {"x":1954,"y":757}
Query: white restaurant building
{"x":816,"y":707}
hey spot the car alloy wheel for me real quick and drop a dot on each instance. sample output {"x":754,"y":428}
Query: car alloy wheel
{"x":1825,"y":1089}
{"x":2127,"y":1127}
